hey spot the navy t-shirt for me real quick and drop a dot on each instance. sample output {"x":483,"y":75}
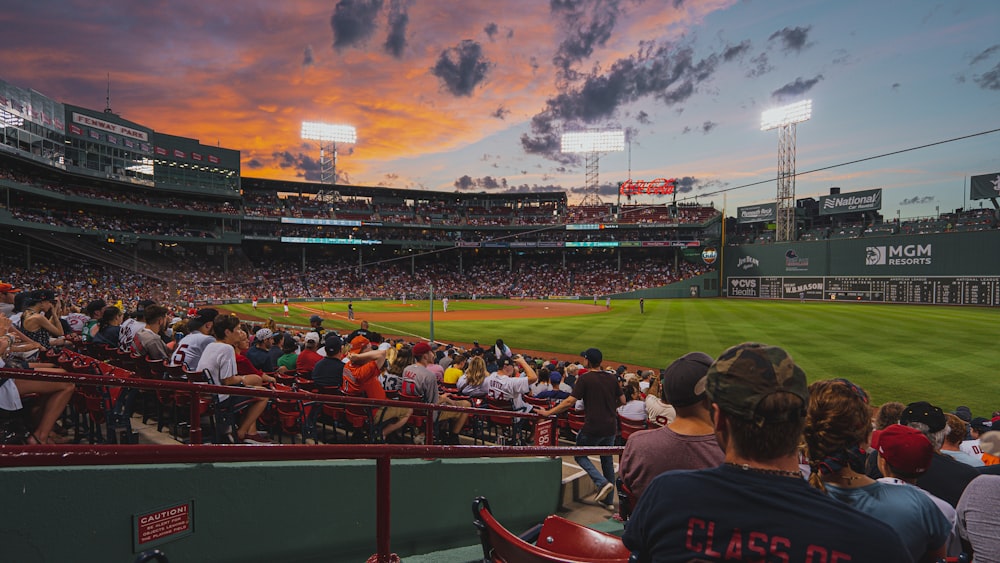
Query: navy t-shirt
{"x":727,"y":514}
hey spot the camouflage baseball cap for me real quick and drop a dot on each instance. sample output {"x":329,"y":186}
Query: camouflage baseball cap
{"x":746,"y":374}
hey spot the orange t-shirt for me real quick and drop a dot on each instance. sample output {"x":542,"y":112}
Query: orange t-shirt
{"x":366,"y":376}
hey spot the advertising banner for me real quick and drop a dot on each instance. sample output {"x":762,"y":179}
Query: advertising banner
{"x":762,"y":213}
{"x":866,"y":200}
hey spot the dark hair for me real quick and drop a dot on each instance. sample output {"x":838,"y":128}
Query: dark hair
{"x":762,"y":442}
{"x":154,"y":313}
{"x":888,"y":414}
{"x":107,"y":316}
{"x":222,"y":323}
{"x":838,"y":420}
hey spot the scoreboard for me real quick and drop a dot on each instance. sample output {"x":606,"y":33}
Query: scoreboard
{"x":935,"y":290}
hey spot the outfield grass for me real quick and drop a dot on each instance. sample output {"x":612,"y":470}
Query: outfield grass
{"x":946,"y":355}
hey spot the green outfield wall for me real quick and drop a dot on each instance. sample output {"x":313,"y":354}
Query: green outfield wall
{"x":264,"y":511}
{"x":942,"y":268}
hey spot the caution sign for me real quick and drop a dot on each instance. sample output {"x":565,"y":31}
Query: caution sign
{"x":162,"y":525}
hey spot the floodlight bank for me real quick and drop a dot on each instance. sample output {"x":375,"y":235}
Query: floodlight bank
{"x":786,"y":115}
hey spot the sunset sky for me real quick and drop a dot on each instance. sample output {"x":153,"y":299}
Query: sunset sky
{"x":473,"y":95}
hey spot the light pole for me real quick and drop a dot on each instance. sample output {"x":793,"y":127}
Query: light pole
{"x":328,"y":136}
{"x":784,"y":119}
{"x":591,"y":144}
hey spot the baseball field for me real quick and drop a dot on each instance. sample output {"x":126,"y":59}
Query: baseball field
{"x":946,"y":355}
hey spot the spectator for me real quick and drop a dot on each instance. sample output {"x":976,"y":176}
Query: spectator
{"x":289,"y":354}
{"x":559,"y":390}
{"x":657,"y":411}
{"x":599,"y":390}
{"x":957,"y":431}
{"x":7,"y":294}
{"x":219,"y":359}
{"x":131,"y":327}
{"x":107,"y":327}
{"x":392,"y":378}
{"x":977,"y":428}
{"x":360,"y":331}
{"x":329,"y":372}
{"x":243,"y":365}
{"x":418,"y":380}
{"x":904,"y":453}
{"x":838,"y":424}
{"x":506,"y":384}
{"x":455,"y":369}
{"x":946,"y":478}
{"x":199,"y":335}
{"x":978,"y":517}
{"x":758,"y":397}
{"x":361,"y":377}
{"x":40,"y":320}
{"x":688,"y":441}
{"x":259,"y":355}
{"x":316,"y":325}
{"x":473,"y":382}
{"x":309,"y":356}
{"x":148,"y":342}
{"x":94,"y":310}
{"x":634,"y":407}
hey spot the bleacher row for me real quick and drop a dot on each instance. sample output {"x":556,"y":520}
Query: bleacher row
{"x":100,"y":414}
{"x":967,"y":221}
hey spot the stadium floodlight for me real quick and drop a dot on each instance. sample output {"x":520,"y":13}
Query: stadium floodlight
{"x":784,"y":119}
{"x":328,"y":136}
{"x":592,"y":143}
{"x":786,"y":115}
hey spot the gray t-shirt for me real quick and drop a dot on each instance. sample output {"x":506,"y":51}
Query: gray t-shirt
{"x":979,"y":519}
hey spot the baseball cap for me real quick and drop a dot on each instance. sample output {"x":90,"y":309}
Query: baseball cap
{"x":555,"y":377}
{"x":922,"y":411}
{"x":202,"y":317}
{"x":8,"y":288}
{"x":684,"y":380}
{"x":315,"y":318}
{"x":334,"y":344}
{"x":593,"y":355}
{"x":263,"y":334}
{"x":981,"y":424}
{"x":312,"y":337}
{"x":964,"y":413}
{"x":504,"y":361}
{"x":989,"y":443}
{"x":748,"y":373}
{"x":905,"y":449}
{"x":358,"y":343}
{"x":420,"y":348}
{"x":92,"y":307}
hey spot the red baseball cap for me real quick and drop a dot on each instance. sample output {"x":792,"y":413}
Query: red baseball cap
{"x":904,"y":448}
{"x":7,"y":288}
{"x":420,"y":348}
{"x":358,"y":344}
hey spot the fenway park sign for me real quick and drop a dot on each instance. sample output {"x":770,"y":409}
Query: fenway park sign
{"x":659,"y":186}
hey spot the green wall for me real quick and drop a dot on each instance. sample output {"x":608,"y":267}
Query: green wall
{"x":266,"y":511}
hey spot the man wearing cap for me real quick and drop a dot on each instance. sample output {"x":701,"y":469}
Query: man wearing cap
{"x":601,"y":396}
{"x":309,"y":356}
{"x":361,"y":378}
{"x":756,"y":506}
{"x":7,"y":293}
{"x":978,"y":517}
{"x":946,"y":478}
{"x":260,"y":353}
{"x":199,"y":334}
{"x":977,"y":427}
{"x":316,"y":325}
{"x":418,"y":380}
{"x":506,"y":384}
{"x":329,"y":372}
{"x":904,"y":454}
{"x":686,"y":443}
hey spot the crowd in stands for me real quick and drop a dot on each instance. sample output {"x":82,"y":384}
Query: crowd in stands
{"x":113,"y":222}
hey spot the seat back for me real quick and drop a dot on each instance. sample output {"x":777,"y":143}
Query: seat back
{"x":576,"y":420}
{"x":502,"y":406}
{"x":583,"y":545}
{"x":627,"y":426}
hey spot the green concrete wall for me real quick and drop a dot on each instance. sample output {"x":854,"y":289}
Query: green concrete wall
{"x":266,"y":511}
{"x":707,"y":287}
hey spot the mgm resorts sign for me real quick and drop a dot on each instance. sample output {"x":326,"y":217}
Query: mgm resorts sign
{"x":867,"y":200}
{"x":902,"y":255}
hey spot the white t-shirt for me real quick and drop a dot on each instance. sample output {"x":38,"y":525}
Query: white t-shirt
{"x":510,"y":389}
{"x":219,"y":359}
{"x":972,"y":448}
{"x":633,"y":410}
{"x":189,"y":349}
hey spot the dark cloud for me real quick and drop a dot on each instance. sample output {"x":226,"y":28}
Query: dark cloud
{"x":642,"y":117}
{"x":533,"y":188}
{"x":254,"y":163}
{"x":399,"y":18}
{"x":603,"y":189}
{"x":686,"y":184}
{"x":307,"y":56}
{"x":917,"y":199}
{"x":760,"y":66}
{"x":987,"y":53}
{"x":989,"y":80}
{"x":895,"y":86}
{"x":533,"y":63}
{"x":353,"y":22}
{"x":589,"y":25}
{"x":792,"y":38}
{"x":796,"y":88}
{"x":708,"y":126}
{"x":491,"y":30}
{"x":686,"y":130}
{"x":463,"y":67}
{"x":306,"y":166}
{"x":487,"y":183}
{"x":500,"y":113}
{"x":734,"y":51}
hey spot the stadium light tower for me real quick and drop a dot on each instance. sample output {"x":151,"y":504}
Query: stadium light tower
{"x":328,"y":137}
{"x":592,"y":143}
{"x":784,"y":119}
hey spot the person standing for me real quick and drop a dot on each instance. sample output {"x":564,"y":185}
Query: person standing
{"x":444,"y":304}
{"x":254,"y":303}
{"x":642,"y":306}
{"x":284,"y":305}
{"x":607,"y":303}
{"x":602,"y":395}
{"x":350,"y":310}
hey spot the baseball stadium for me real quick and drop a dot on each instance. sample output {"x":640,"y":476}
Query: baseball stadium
{"x":137,"y":460}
